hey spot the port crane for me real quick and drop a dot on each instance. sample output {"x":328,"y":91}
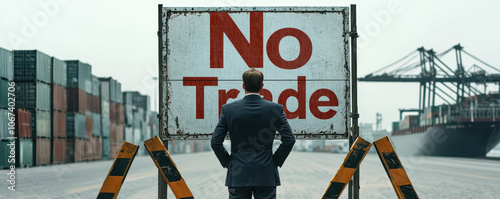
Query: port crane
{"x":436,"y":77}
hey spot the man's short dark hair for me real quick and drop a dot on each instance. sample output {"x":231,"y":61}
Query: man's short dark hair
{"x":253,"y":79}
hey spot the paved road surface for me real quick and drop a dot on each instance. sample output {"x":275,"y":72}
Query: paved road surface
{"x":304,"y":176}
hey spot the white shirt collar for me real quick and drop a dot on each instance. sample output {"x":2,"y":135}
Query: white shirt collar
{"x":252,"y":94}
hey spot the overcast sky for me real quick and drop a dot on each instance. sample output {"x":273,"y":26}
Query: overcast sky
{"x":118,"y":38}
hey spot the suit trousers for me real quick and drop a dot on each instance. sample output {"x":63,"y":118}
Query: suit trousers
{"x":257,"y":192}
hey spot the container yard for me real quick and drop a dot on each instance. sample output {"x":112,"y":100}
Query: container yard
{"x":65,"y":114}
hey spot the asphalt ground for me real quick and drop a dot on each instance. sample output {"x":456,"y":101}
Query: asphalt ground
{"x":304,"y":175}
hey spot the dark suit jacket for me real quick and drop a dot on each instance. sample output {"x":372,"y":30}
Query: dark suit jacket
{"x":252,"y":124}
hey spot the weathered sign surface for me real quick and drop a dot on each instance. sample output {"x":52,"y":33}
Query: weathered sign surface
{"x":303,"y":53}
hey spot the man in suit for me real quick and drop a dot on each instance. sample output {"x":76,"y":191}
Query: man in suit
{"x":252,"y":123}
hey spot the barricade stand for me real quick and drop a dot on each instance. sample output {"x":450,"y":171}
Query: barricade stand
{"x":394,"y":169}
{"x":351,"y":163}
{"x":167,"y":168}
{"x":118,"y":171}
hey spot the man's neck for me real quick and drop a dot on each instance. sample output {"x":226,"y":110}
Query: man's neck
{"x":251,"y":93}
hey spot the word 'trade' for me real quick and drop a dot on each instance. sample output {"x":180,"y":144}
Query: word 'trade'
{"x":300,"y":94}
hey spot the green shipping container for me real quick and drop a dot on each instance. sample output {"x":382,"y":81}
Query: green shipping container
{"x":43,"y":124}
{"x":4,"y":93}
{"x":106,"y":144}
{"x":31,"y":65}
{"x":6,"y":64}
{"x":4,"y":153}
{"x":96,"y":124}
{"x":24,"y":153}
{"x":4,"y":125}
{"x":59,"y":72}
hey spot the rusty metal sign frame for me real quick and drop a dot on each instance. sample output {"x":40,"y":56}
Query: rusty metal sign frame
{"x":164,"y":82}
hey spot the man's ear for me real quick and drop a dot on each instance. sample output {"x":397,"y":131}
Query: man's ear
{"x":244,"y":87}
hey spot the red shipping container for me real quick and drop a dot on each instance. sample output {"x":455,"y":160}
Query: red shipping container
{"x":88,"y":126}
{"x":96,"y":104}
{"x":70,"y":149}
{"x":98,"y":142}
{"x":89,"y":101}
{"x":94,"y":148}
{"x":80,"y":150}
{"x":119,"y":131}
{"x":77,"y":100}
{"x":75,"y":149}
{"x":113,"y":151}
{"x":43,"y":151}
{"x":112,"y":111}
{"x":89,"y":150}
{"x":112,"y":130}
{"x":59,"y":124}
{"x":23,"y":123}
{"x":59,"y":97}
{"x":121,"y":113}
{"x":59,"y":150}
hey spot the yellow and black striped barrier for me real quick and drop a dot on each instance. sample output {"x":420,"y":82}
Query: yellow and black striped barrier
{"x":351,"y":162}
{"x":167,"y":168}
{"x":118,"y":171}
{"x":394,"y":169}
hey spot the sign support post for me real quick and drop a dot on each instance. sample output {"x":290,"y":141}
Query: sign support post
{"x":354,"y":186}
{"x":162,"y":185}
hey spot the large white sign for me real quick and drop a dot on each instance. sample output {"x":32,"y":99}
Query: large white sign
{"x":303,"y":53}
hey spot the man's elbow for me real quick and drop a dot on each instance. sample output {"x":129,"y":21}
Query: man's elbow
{"x":290,"y":141}
{"x":215,"y":145}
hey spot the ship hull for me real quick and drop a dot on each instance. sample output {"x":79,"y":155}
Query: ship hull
{"x":472,"y":139}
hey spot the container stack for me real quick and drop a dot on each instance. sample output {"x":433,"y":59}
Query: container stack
{"x":24,"y":145}
{"x":154,"y":124}
{"x":113,"y":114}
{"x":59,"y":110}
{"x":395,"y":126}
{"x":118,"y":119}
{"x":137,"y":116}
{"x":93,"y":146}
{"x":33,"y":78}
{"x":143,"y":107}
{"x":79,"y":83}
{"x":129,"y":117}
{"x":409,"y":121}
{"x":6,"y":75}
{"x":105,"y":117}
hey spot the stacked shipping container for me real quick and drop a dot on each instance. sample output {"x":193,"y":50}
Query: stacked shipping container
{"x":136,"y":118}
{"x":129,"y":117}
{"x":6,"y":75}
{"x":33,"y":78}
{"x":117,"y":118}
{"x":93,"y":145}
{"x":409,"y":121}
{"x":154,"y":125}
{"x":111,"y":99}
{"x":79,"y":83}
{"x":59,"y":110}
{"x":105,"y":117}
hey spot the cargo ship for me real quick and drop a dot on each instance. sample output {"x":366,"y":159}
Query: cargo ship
{"x":467,"y":129}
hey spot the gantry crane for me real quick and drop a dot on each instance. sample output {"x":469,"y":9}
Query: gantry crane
{"x":437,"y":78}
